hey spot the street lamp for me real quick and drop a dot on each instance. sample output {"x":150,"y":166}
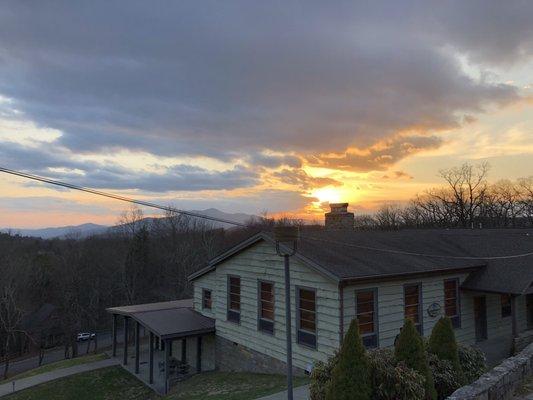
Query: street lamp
{"x":286,"y":238}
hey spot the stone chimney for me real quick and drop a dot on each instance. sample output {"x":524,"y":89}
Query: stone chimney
{"x":339,"y":218}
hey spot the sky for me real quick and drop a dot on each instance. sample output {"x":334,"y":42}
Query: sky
{"x":249,"y":106}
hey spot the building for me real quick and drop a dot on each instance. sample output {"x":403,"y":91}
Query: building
{"x":481,"y":279}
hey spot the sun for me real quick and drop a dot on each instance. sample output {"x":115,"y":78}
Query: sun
{"x":327,"y":194}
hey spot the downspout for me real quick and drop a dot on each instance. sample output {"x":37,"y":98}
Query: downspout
{"x":341,"y":313}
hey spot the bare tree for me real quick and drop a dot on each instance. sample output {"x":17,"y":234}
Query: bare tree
{"x":11,"y":313}
{"x":468,"y":185}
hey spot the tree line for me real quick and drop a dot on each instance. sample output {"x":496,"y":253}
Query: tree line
{"x":466,"y":200}
{"x":140,"y":260}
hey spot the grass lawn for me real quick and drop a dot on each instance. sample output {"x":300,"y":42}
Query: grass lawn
{"x":112,"y":383}
{"x":231,"y":386}
{"x":58,"y":365}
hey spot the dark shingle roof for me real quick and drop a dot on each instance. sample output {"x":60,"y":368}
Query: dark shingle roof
{"x":169,"y":319}
{"x":357,"y":255}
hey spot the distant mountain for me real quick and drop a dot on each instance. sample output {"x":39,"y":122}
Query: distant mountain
{"x":76,"y":231}
{"x":89,"y":229}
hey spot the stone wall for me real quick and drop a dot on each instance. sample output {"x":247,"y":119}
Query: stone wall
{"x":501,"y":381}
{"x":234,"y":357}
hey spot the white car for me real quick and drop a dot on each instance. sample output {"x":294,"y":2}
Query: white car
{"x":82,"y":337}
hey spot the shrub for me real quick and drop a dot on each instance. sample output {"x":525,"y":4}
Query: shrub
{"x":410,"y":350}
{"x":446,"y":378}
{"x":350,"y":378}
{"x":473,"y":363}
{"x":392,"y":380}
{"x":321,"y":377}
{"x":442,"y":343}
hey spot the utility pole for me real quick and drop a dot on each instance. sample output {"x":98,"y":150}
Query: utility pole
{"x":286,"y":238}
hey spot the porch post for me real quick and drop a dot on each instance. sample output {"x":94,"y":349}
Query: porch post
{"x":167,"y":364}
{"x":170,"y":347}
{"x":151,"y":379}
{"x":137,"y":339}
{"x":513,"y":314}
{"x":115,"y":317}
{"x":125,"y":359}
{"x":184,"y":350}
{"x":198,"y":354}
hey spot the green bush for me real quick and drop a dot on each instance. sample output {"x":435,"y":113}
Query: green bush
{"x":321,"y":377}
{"x":351,"y":378}
{"x":410,"y":350}
{"x":446,"y":378}
{"x":473,"y":363}
{"x":442,"y":343}
{"x":392,"y":380}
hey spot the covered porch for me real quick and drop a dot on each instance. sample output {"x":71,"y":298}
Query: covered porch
{"x":163,"y":343}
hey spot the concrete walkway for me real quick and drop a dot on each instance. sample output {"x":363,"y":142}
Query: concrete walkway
{"x":300,"y":393}
{"x":24,"y":383}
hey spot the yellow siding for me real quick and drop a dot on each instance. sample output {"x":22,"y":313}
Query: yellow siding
{"x":261,"y":262}
{"x":391,"y":311}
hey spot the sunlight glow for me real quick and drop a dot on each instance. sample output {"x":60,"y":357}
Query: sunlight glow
{"x":327,"y":194}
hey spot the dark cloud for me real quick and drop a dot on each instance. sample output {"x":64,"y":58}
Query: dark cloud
{"x":226,"y":79}
{"x":300,"y":178}
{"x":275,"y":161}
{"x":379,"y":157}
{"x":397,"y":175}
{"x":180,"y":177}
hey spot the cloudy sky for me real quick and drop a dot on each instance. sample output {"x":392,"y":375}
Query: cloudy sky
{"x":252,"y":106}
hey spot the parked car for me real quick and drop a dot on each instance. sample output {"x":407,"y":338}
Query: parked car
{"x":83,"y":336}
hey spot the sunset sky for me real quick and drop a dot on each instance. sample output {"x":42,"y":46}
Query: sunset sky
{"x":252,"y":106}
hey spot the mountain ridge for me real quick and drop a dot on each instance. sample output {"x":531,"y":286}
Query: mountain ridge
{"x":89,"y":229}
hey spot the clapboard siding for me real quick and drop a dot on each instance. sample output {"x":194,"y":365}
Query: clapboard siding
{"x":391,"y":309}
{"x":260,"y":262}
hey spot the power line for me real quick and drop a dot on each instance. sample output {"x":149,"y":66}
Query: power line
{"x":409,"y":253}
{"x":117,"y":197}
{"x":222,"y":220}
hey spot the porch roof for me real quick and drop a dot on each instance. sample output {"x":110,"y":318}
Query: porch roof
{"x":168,"y":320}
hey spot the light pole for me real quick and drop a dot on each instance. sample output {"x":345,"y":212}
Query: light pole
{"x":287,"y":236}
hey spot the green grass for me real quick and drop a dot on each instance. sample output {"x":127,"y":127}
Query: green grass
{"x":231,"y":386}
{"x":111,"y":383}
{"x":58,"y":365}
{"x":114,"y":383}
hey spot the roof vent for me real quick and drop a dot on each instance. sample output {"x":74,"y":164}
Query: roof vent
{"x":339,"y":218}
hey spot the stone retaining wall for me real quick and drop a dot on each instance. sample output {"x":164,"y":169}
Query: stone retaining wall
{"x":501,"y":381}
{"x":235,"y":357}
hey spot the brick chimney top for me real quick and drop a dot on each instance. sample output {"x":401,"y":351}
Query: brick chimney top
{"x":339,"y":218}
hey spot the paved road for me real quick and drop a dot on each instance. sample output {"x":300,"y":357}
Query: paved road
{"x":300,"y":393}
{"x":25,"y":383}
{"x":53,"y":355}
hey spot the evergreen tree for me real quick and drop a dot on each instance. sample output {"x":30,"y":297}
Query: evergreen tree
{"x":351,"y":377}
{"x":410,"y":350}
{"x":442,"y":343}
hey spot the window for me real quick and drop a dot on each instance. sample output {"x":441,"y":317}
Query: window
{"x":452,"y":307}
{"x":306,"y":316}
{"x":206,"y":299}
{"x":412,"y":303}
{"x":506,"y":305}
{"x":266,"y":307}
{"x":234,"y":299}
{"x":366,"y":313}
